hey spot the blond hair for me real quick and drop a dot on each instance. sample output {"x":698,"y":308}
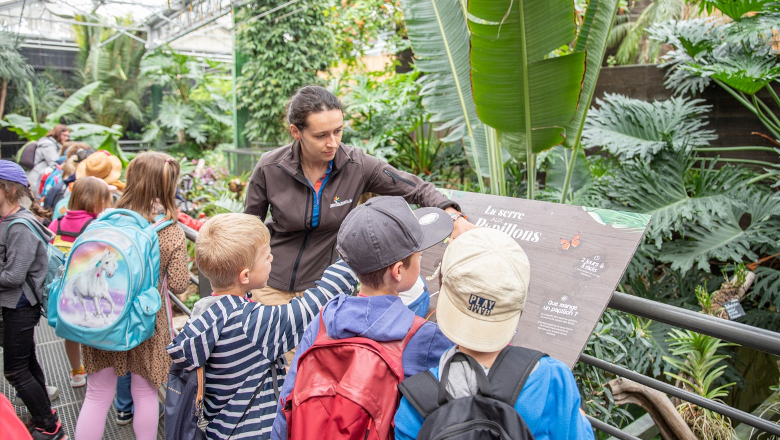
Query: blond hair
{"x":228,"y":244}
{"x":151,"y":179}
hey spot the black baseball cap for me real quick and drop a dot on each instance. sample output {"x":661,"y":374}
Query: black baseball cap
{"x":385,"y":230}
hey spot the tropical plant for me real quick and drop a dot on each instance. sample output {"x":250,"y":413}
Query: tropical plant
{"x":358,"y":25}
{"x":13,"y":67}
{"x":114,"y":59}
{"x":622,"y":340}
{"x":45,"y":93}
{"x":737,"y":55}
{"x":630,"y":128}
{"x":629,"y":36}
{"x":283,"y":54}
{"x":700,"y":368}
{"x":31,"y":129}
{"x":592,"y":38}
{"x":195,"y":110}
{"x":438,"y":30}
{"x":441,"y":33}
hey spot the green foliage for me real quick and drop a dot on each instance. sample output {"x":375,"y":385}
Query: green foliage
{"x":626,"y":341}
{"x":629,"y":36}
{"x":13,"y":66}
{"x":195,"y":111}
{"x":33,"y":130}
{"x":114,"y":60}
{"x":766,"y":291}
{"x":358,"y":26}
{"x":629,"y":128}
{"x":283,"y":54}
{"x":737,"y":55}
{"x":726,"y":238}
{"x":385,"y":116}
{"x":700,"y":368}
{"x":439,"y":33}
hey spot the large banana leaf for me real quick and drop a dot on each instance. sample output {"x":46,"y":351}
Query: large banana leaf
{"x":516,"y":89}
{"x":72,"y":103}
{"x":25,"y":127}
{"x":439,"y":34}
{"x":593,"y":40}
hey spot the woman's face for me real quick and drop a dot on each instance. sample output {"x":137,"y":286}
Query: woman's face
{"x":322,"y":136}
{"x":64,"y":136}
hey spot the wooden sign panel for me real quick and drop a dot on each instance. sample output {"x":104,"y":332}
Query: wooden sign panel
{"x":577,"y":254}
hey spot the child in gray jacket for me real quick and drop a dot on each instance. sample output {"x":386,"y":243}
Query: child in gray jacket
{"x":23,"y":266}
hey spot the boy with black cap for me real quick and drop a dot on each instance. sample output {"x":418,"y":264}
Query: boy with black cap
{"x":484,"y":282}
{"x":382,"y":241}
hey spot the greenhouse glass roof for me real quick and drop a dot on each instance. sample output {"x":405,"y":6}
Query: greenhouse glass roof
{"x":192,"y":26}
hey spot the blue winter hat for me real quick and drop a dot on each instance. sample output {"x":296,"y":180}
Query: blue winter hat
{"x":13,"y":172}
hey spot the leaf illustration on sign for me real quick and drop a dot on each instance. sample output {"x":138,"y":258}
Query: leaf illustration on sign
{"x":618,"y":219}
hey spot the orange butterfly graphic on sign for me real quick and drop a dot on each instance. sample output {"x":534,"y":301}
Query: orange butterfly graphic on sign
{"x":574,"y":242}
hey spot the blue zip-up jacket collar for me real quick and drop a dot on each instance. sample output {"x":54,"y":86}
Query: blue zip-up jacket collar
{"x":381,"y":318}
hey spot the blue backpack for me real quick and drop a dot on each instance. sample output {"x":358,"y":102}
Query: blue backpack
{"x":107,"y":297}
{"x":55,"y":259}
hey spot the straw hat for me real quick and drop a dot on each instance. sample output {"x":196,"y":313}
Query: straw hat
{"x":103,"y":165}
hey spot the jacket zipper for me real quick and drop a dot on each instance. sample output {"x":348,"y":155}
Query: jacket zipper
{"x":300,"y":251}
{"x":395,"y":177}
{"x":305,"y":216}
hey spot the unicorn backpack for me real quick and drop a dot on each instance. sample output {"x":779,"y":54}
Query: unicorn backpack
{"x":107,"y":297}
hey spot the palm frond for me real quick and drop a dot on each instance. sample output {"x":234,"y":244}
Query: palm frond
{"x":629,"y":128}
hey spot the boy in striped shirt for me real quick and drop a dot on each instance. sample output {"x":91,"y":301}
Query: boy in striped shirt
{"x":239,"y":341}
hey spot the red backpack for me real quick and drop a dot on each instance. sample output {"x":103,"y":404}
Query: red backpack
{"x":347,"y":388}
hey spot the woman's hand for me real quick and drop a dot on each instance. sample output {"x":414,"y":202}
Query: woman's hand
{"x":461,"y":224}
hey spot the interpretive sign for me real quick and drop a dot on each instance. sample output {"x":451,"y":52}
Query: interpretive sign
{"x":577,"y":254}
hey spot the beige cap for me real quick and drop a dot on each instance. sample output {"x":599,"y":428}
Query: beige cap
{"x":485,"y":276}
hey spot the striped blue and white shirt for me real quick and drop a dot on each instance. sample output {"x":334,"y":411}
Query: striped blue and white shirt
{"x":238,"y":340}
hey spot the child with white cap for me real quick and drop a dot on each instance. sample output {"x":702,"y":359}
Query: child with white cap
{"x":482,"y":385}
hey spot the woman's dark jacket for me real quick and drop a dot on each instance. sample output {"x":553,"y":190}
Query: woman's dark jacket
{"x":302,"y":252}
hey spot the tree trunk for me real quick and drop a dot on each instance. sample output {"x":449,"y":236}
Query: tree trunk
{"x":3,"y":93}
{"x":657,"y":404}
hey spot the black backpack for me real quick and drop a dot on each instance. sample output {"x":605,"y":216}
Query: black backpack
{"x":490,"y":414}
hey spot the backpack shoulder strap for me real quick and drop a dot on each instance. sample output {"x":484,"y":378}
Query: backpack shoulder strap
{"x":510,"y":371}
{"x":160,"y":223}
{"x":29,"y":226}
{"x":416,"y":324}
{"x":60,"y":232}
{"x":422,"y":391}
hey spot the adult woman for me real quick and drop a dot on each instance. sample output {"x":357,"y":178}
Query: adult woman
{"x":310,"y":187}
{"x":46,"y":154}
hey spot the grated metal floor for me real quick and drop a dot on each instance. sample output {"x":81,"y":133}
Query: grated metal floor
{"x":51,"y":355}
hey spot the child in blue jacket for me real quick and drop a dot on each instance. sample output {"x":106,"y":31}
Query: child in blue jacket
{"x":485,"y":276}
{"x":382,"y":241}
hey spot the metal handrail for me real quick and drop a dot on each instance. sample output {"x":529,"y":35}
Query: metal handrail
{"x":688,"y":396}
{"x":742,"y":334}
